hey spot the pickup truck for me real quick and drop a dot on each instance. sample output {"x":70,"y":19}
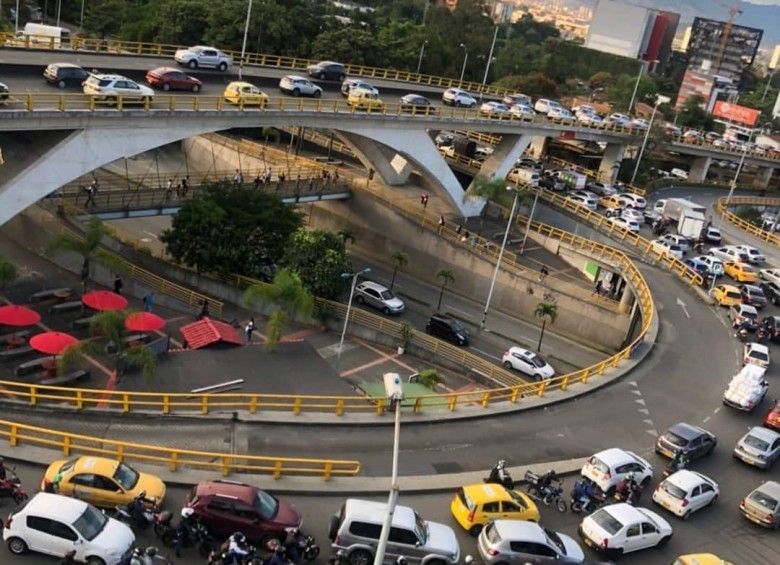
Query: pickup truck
{"x":747,"y":389}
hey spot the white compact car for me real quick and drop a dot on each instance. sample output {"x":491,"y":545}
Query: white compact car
{"x":458,"y":98}
{"x":663,"y":246}
{"x":378,"y":296}
{"x":203,"y":57}
{"x":633,"y":200}
{"x":584,"y":201}
{"x":621,"y":528}
{"x":759,"y":447}
{"x":770,"y":275}
{"x":685,"y":492}
{"x":729,"y":254}
{"x":757,"y":354}
{"x":626,"y":224}
{"x":53,"y":524}
{"x":527,"y":362}
{"x":753,"y":254}
{"x":607,"y":468}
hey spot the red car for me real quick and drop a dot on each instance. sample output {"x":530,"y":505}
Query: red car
{"x":169,"y":78}
{"x":772,"y":420}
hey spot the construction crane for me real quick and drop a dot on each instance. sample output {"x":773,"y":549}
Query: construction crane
{"x":734,"y":11}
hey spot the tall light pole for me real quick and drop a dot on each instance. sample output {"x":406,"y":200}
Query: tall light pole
{"x":59,"y":11}
{"x":246,"y":33}
{"x":81,"y":21}
{"x":465,"y":60}
{"x":490,"y":57}
{"x":395,"y":394}
{"x":739,"y":169}
{"x":500,"y":257}
{"x":658,"y":100}
{"x":768,"y":84}
{"x":419,"y":61}
{"x":530,"y":219}
{"x":16,"y":16}
{"x":638,"y":79}
{"x":349,"y":307}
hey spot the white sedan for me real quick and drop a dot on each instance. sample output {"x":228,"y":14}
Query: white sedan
{"x":584,"y":201}
{"x":633,"y":200}
{"x":522,"y":111}
{"x":626,"y":224}
{"x":494,"y":109}
{"x":527,"y":362}
{"x":770,"y":275}
{"x":663,"y":247}
{"x":757,"y":354}
{"x":621,"y":528}
{"x":685,"y":492}
{"x":634,"y":215}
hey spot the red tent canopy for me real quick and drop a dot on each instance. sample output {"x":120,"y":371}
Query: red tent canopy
{"x":52,"y":343}
{"x":102,"y":300}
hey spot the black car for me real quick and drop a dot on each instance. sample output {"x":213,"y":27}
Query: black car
{"x":551,"y":184}
{"x":693,"y":441}
{"x":3,"y":93}
{"x":416,"y":103}
{"x":752,"y":295}
{"x":65,"y":74}
{"x":327,"y":70}
{"x":772,"y":326}
{"x":448,"y":329}
{"x":772,"y":291}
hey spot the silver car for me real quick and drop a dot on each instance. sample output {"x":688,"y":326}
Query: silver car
{"x":299,"y":86}
{"x":379,"y":297}
{"x":762,"y":506}
{"x":519,"y":542}
{"x":759,"y":447}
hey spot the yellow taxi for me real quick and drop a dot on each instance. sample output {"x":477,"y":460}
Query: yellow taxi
{"x":364,"y":100}
{"x":610,"y":202}
{"x":740,"y":272}
{"x":103,"y":482}
{"x":726,"y":295}
{"x":475,"y":506}
{"x":700,"y":559}
{"x":245,"y":93}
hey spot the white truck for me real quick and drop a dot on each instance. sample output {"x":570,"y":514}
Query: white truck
{"x":572,"y":179}
{"x":747,"y":389}
{"x":524,"y":176}
{"x":43,"y":35}
{"x":675,"y":207}
{"x":691,"y":224}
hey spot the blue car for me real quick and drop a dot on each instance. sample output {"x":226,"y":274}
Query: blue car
{"x":700,"y":267}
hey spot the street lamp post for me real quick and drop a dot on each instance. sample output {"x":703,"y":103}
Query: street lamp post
{"x":638,"y":79}
{"x":465,"y":60}
{"x":81,"y":20}
{"x":349,"y":307}
{"x":658,"y":100}
{"x":419,"y":61}
{"x":739,"y":169}
{"x":246,"y":33}
{"x":530,"y":219}
{"x":16,"y":16}
{"x":768,"y":84}
{"x":490,"y":57}
{"x":500,"y":257}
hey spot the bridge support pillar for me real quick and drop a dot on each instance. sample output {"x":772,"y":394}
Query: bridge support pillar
{"x":764,"y":177}
{"x":627,"y":299}
{"x":505,"y":154}
{"x":394,"y":170}
{"x":610,"y":162}
{"x":538,"y":146}
{"x":699,"y":169}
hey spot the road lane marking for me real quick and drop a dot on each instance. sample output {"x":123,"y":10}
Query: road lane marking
{"x":707,"y":419}
{"x":485,"y":353}
{"x":461,"y":312}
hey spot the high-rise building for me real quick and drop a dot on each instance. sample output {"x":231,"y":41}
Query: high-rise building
{"x":715,"y":50}
{"x":633,"y":31}
{"x":775,"y":58}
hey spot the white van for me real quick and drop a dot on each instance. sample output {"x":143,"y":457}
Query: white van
{"x":44,"y":35}
{"x":524,"y":176}
{"x":543,"y":105}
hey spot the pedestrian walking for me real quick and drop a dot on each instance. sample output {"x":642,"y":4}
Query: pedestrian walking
{"x":90,"y":195}
{"x":250,"y":327}
{"x":458,"y":229}
{"x":280,"y":179}
{"x":268,"y":175}
{"x":258,"y":181}
{"x":185,"y":186}
{"x":118,"y":284}
{"x":598,"y":288}
{"x":204,"y":309}
{"x":238,"y":178}
{"x":94,"y":186}
{"x":149,"y":301}
{"x":169,"y":189}
{"x":441,"y":221}
{"x":543,"y":272}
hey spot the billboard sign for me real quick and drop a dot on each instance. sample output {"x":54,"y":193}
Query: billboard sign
{"x":735,"y":113}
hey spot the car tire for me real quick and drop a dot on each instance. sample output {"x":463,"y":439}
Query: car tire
{"x":360,"y":299}
{"x":196,"y":88}
{"x":456,"y":104}
{"x":95,"y":561}
{"x":192,"y":64}
{"x":222,"y":67}
{"x":317,"y":93}
{"x":342,"y":78}
{"x":475,"y":530}
{"x":386,"y":311}
{"x":538,"y":378}
{"x":360,"y":557}
{"x":507,"y":365}
{"x":664,"y":540}
{"x":333,"y":528}
{"x":713,"y":501}
{"x":166,"y":87}
{"x":17,"y":546}
{"x":62,"y":84}
{"x":646,"y":483}
{"x":685,"y":516}
{"x":296,"y":92}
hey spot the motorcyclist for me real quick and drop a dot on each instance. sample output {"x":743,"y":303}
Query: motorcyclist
{"x":278,"y":557}
{"x":500,"y":476}
{"x":584,"y":493}
{"x":625,"y":486}
{"x":291,"y":543}
{"x":188,"y":519}
{"x":237,"y":547}
{"x":545,"y":481}
{"x":680,"y":461}
{"x":52,"y":486}
{"x":137,"y":507}
{"x":744,"y":326}
{"x":68,"y":559}
{"x":2,"y":470}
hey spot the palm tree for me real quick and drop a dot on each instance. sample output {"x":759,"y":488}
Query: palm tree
{"x":446,"y":276}
{"x":429,"y":378}
{"x":399,"y":259}
{"x":7,"y":272}
{"x":347,"y":235}
{"x":493,"y":189}
{"x":89,"y":248}
{"x":109,"y":327}
{"x":545,"y":310}
{"x":288,"y":293}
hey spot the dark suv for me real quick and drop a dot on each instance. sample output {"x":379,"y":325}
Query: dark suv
{"x":447,"y":328}
{"x":65,"y":74}
{"x":226,"y":507}
{"x":3,"y":93}
{"x":327,"y":70}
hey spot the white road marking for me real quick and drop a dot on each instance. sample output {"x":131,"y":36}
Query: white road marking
{"x":644,"y":411}
{"x":637,"y":392}
{"x":652,"y":433}
{"x":154,"y":235}
{"x":640,"y":401}
{"x":486,"y":354}
{"x":707,"y":419}
{"x":461,"y":312}
{"x":716,"y":410}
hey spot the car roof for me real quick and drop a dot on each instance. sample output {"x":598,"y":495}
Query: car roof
{"x":240,"y":491}
{"x":730,"y":288}
{"x":687,"y":431}
{"x":64,"y":65}
{"x":330,"y":63}
{"x":108,"y":76}
{"x":296,"y":77}
{"x":758,"y":347}
{"x":372,"y":284}
{"x":624,"y":512}
{"x":165,"y":70}
{"x":481,"y":492}
{"x":770,"y":487}
{"x":372,"y":511}
{"x":443,"y":318}
{"x":763,"y":433}
{"x":751,"y":288}
{"x":237,"y":83}
{"x":521,"y":530}
{"x":745,"y":307}
{"x":614,"y":455}
{"x":701,"y":559}
{"x":686,"y":479}
{"x":89,"y":464}
{"x":62,"y":508}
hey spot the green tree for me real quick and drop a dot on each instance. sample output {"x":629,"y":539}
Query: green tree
{"x":492,"y":189}
{"x":545,"y":310}
{"x":104,"y":17}
{"x":750,"y":215}
{"x":446,"y":277}
{"x":231,"y":229}
{"x":319,"y":257}
{"x":289,"y":295}
{"x":619,"y":93}
{"x":347,"y":235}
{"x":7,"y":272}
{"x":430,"y":378}
{"x":399,"y":259}
{"x":535,"y":84}
{"x":693,"y":115}
{"x":89,"y":249}
{"x":109,"y":327}
{"x":601,"y":79}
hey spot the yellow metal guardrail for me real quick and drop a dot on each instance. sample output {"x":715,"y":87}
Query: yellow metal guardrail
{"x":755,"y":231}
{"x":174,"y":459}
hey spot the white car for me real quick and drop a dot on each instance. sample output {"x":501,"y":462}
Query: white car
{"x":459,"y":98}
{"x":679,"y":173}
{"x":584,"y":201}
{"x":753,"y":254}
{"x":379,"y":297}
{"x":675,"y":239}
{"x":757,"y":354}
{"x":621,"y":528}
{"x":299,"y":86}
{"x":618,"y":119}
{"x":203,"y":57}
{"x":54,"y":525}
{"x":589,"y":119}
{"x":626,"y":224}
{"x":633,"y":200}
{"x":714,"y":265}
{"x":494,"y":109}
{"x":685,"y":492}
{"x":639,"y":123}
{"x":357,"y":84}
{"x":712,"y":234}
{"x":770,"y":275}
{"x":561,"y":114}
{"x":747,"y":389}
{"x":543,"y":106}
{"x":728,"y":254}
{"x":527,"y":362}
{"x":663,"y":247}
{"x":607,"y":468}
{"x":583,"y":109}
{"x":633,"y":215}
{"x":522,"y":111}
{"x":759,"y":447}
{"x":112,"y":87}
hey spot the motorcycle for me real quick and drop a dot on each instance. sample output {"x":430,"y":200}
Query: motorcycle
{"x":150,"y":515}
{"x":550,"y":495}
{"x":579,"y":504}
{"x":308,"y":550}
{"x":742,"y":335}
{"x":11,"y":487}
{"x":629,"y":491}
{"x":763,"y":336}
{"x":222,"y":556}
{"x":675,"y":465}
{"x":149,"y":556}
{"x":500,"y":476}
{"x":189,"y":533}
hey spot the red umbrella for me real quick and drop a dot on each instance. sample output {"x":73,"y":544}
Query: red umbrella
{"x":144,"y":322}
{"x":102,"y":300}
{"x":18,"y":316}
{"x":52,"y":343}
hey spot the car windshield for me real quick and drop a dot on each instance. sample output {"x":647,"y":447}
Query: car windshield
{"x":755,"y":443}
{"x":732,"y":294}
{"x":387,"y":295}
{"x":420,"y":528}
{"x":491,"y":533}
{"x":266,"y":505}
{"x":456,"y":327}
{"x":673,"y":490}
{"x":674,"y":439}
{"x":763,"y":499}
{"x":760,"y":355}
{"x":67,"y":467}
{"x":536,"y":360}
{"x":90,"y":523}
{"x":607,"y":522}
{"x":554,"y":540}
{"x":517,"y":499}
{"x":749,"y":314}
{"x":746,"y":269}
{"x":126,"y":476}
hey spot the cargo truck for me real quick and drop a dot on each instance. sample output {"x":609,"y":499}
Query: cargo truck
{"x":691,"y":224}
{"x":675,"y":207}
{"x":574,"y":180}
{"x":43,"y":35}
